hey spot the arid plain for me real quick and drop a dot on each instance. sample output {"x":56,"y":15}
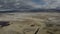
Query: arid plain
{"x":30,"y":23}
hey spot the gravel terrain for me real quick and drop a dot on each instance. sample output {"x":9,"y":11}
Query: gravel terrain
{"x":30,"y":23}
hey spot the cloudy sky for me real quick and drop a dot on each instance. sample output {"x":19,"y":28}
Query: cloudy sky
{"x":46,"y":4}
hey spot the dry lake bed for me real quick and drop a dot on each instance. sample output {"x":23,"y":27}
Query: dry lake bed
{"x":30,"y":23}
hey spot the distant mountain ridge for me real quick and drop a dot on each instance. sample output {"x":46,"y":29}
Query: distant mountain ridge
{"x":30,"y":10}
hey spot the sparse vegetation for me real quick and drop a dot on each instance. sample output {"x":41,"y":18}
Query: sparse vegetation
{"x":28,"y":23}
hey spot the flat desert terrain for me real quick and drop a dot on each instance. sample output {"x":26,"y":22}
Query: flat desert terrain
{"x":30,"y":23}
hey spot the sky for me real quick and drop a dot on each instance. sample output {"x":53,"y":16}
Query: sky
{"x":45,"y":4}
{"x":41,"y":2}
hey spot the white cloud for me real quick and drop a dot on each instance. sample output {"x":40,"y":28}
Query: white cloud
{"x":48,"y":4}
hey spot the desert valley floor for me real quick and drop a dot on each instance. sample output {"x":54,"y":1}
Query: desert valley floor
{"x":30,"y":23}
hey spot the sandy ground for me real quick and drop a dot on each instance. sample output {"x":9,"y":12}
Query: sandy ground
{"x":31,"y":23}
